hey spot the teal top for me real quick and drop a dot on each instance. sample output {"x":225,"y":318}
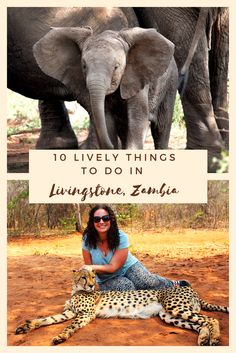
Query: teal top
{"x":99,"y":259}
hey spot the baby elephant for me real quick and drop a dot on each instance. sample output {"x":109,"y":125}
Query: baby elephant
{"x":131,"y":77}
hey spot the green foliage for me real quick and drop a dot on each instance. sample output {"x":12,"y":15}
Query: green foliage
{"x":178,"y":114}
{"x":23,"y":195}
{"x":67,"y":223}
{"x":198,"y":218}
{"x":23,"y":115}
{"x":30,"y":125}
{"x":127,"y":213}
{"x":223,"y":162}
{"x":199,"y":214}
{"x":81,"y":123}
{"x":19,"y":107}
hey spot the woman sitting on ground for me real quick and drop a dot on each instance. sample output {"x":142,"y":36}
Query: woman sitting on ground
{"x":105,"y":249}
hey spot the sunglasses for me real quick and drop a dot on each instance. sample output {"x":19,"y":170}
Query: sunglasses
{"x":105,"y":218}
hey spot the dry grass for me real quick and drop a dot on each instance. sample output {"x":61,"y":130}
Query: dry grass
{"x":169,"y":244}
{"x":185,"y":244}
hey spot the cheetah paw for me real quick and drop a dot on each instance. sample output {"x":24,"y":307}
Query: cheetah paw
{"x":58,"y":339}
{"x":214,"y":342}
{"x":204,"y":336}
{"x":23,"y":328}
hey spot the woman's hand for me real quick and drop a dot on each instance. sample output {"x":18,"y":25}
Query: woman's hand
{"x":86,"y":267}
{"x":116,"y":262}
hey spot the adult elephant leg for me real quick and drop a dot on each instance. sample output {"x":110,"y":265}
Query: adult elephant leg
{"x":138,"y":119}
{"x":122,"y":130}
{"x":116,"y":119}
{"x":218,"y":65}
{"x":91,"y":142}
{"x":56,"y":131}
{"x":202,"y":130}
{"x":111,"y":114}
{"x":111,"y":128}
{"x":161,"y":126}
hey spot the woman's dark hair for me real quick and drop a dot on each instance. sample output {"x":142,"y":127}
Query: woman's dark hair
{"x":91,"y":235}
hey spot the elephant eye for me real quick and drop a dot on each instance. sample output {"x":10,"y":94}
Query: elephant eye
{"x":117,"y":66}
{"x":84,"y":67}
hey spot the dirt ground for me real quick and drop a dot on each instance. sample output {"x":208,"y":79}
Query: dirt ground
{"x":39,"y":282}
{"x":18,"y":147}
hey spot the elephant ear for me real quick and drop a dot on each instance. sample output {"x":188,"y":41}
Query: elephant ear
{"x":58,"y":54}
{"x":148,"y":57}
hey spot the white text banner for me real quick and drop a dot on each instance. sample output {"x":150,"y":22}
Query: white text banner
{"x":118,"y":176}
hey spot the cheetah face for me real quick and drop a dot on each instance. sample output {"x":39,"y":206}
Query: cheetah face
{"x":84,"y":280}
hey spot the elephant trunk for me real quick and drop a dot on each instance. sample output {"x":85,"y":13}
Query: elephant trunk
{"x":97,"y":100}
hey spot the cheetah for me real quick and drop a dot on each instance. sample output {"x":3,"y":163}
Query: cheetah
{"x":179,"y":306}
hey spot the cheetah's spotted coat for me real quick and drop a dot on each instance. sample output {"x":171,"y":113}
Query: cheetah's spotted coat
{"x":179,"y":306}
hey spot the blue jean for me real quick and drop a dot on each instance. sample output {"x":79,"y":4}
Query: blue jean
{"x":136,"y":277}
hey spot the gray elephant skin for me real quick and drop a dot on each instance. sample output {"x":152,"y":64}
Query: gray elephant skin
{"x":204,"y":99}
{"x":138,"y":64}
{"x":28,"y":25}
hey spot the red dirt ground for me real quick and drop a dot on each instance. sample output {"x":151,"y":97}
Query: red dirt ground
{"x":39,"y":282}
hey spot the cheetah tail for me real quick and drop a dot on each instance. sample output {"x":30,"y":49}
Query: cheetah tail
{"x":213,"y":307}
